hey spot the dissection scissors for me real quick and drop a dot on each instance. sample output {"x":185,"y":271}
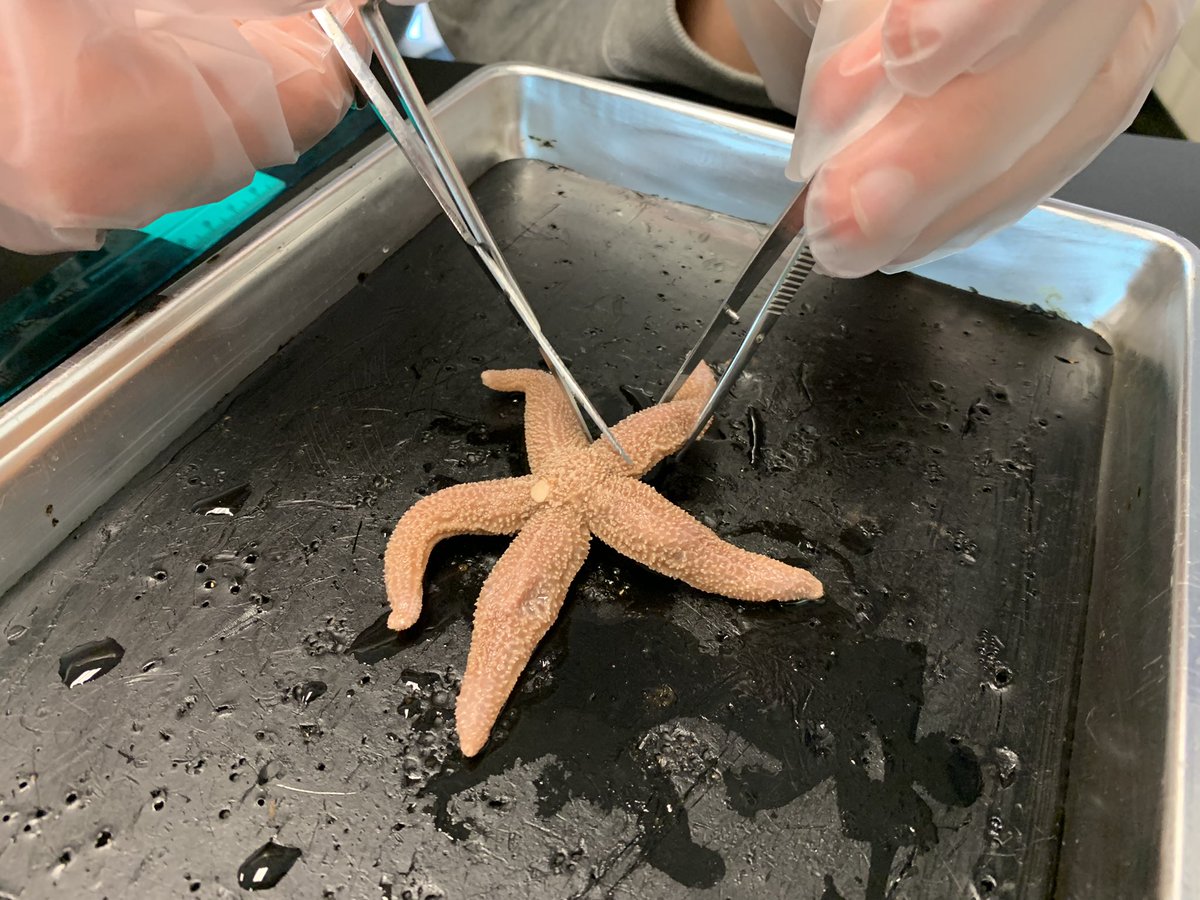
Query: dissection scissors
{"x":422,"y":144}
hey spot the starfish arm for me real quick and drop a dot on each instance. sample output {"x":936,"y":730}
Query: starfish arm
{"x":518,"y":603}
{"x":658,"y":431}
{"x":551,"y":426}
{"x":637,"y":521}
{"x":484,"y":507}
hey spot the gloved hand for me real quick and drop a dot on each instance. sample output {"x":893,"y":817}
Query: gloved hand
{"x":114,"y":112}
{"x":932,"y":123}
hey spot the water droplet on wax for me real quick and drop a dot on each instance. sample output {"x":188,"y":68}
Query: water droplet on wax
{"x":266,"y":866}
{"x":89,"y":661}
{"x":227,"y":503}
{"x":309,"y":691}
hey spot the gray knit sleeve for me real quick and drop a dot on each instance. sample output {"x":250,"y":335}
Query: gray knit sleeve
{"x":635,"y":40}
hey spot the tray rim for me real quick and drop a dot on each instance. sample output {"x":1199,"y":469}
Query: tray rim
{"x":773,"y":133}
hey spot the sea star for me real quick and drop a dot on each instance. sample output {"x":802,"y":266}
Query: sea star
{"x":578,"y":489}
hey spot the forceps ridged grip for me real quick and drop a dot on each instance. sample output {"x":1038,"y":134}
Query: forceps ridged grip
{"x":421,"y":143}
{"x":787,"y":232}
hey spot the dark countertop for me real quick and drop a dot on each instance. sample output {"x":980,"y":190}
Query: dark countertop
{"x":1156,"y":180}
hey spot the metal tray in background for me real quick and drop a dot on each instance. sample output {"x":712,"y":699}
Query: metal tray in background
{"x":1118,"y":825}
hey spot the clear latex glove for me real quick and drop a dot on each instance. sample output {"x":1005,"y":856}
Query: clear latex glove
{"x":931,"y":123}
{"x":113,"y":112}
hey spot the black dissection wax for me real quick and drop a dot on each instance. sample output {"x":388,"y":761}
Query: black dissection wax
{"x":931,"y":454}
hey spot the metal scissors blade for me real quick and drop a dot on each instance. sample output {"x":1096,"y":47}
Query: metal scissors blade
{"x":422,"y":144}
{"x":773,"y":246}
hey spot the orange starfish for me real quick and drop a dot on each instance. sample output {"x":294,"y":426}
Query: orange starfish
{"x":578,"y":489}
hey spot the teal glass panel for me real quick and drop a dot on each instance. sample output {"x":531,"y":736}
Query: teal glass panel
{"x":43,"y":324}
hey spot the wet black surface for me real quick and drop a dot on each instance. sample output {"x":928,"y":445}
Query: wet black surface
{"x":931,"y":455}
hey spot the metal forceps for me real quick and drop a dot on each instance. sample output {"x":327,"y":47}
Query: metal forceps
{"x":422,"y":144}
{"x":787,"y":234}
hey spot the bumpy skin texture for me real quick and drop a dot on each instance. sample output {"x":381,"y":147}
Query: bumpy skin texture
{"x":577,"y":489}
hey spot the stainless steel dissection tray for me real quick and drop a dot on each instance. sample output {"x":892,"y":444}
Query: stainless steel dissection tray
{"x":989,"y":461}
